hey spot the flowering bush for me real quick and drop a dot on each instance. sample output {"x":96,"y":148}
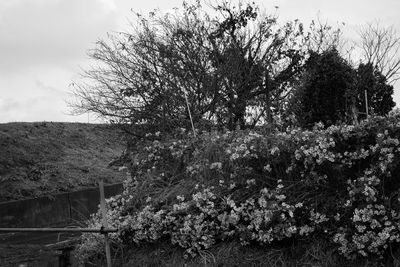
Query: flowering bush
{"x":340,"y":183}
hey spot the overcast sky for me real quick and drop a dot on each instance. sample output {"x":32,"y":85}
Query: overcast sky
{"x":43,"y":43}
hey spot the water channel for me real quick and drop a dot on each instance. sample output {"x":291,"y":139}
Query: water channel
{"x":61,"y":210}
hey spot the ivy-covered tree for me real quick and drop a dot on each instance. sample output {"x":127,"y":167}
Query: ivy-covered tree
{"x":326,"y":90}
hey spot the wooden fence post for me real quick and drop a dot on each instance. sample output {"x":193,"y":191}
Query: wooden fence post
{"x":104,"y":222}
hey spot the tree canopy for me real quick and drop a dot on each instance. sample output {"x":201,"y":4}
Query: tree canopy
{"x":236,"y":68}
{"x":333,"y":91}
{"x":227,"y":66}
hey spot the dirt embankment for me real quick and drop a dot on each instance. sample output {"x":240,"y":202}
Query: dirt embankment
{"x":43,"y":158}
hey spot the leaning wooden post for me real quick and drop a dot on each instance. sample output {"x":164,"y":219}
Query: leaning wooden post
{"x":188,"y":107}
{"x":104,"y":222}
{"x":190,"y":114}
{"x":366,"y":102}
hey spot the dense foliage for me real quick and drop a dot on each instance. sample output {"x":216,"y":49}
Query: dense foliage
{"x":326,"y":91}
{"x":339,"y":184}
{"x":379,"y":92}
{"x":332,"y":91}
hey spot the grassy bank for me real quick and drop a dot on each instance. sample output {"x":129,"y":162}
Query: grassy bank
{"x":43,"y":158}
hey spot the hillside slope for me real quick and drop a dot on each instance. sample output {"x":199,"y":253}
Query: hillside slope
{"x":43,"y":158}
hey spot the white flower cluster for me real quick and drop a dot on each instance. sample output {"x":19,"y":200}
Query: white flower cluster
{"x":199,"y":222}
{"x":340,"y":183}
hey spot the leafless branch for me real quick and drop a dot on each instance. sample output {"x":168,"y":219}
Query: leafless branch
{"x":381,"y":46}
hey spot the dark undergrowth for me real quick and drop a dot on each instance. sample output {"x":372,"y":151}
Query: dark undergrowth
{"x":313,"y":253}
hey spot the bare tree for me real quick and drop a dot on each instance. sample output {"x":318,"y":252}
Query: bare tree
{"x":235,"y":68}
{"x":323,"y":37}
{"x":381,"y":46}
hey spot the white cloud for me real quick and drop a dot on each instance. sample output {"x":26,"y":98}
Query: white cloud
{"x":110,"y":4}
{"x":41,"y":44}
{"x":49,"y":31}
